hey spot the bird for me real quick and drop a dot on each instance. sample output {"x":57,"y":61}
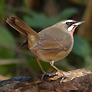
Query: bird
{"x":50,"y":44}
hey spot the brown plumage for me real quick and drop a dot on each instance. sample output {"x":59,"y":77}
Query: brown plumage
{"x":52,"y":43}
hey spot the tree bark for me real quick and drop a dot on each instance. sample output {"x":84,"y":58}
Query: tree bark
{"x":79,"y":80}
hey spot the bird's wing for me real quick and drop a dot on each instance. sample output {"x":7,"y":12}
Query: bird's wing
{"x":54,"y":41}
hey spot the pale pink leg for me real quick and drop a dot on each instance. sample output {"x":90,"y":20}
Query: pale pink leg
{"x":52,"y":64}
{"x":40,"y":65}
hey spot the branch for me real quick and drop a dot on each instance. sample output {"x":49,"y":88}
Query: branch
{"x":79,"y":80}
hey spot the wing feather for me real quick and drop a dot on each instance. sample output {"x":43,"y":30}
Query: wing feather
{"x":53,"y":42}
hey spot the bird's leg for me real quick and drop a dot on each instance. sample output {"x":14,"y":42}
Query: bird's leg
{"x":64,"y":76}
{"x":44,"y":73}
{"x":40,"y":65}
{"x":52,"y":64}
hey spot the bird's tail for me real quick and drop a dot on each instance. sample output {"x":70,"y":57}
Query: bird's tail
{"x":21,"y":27}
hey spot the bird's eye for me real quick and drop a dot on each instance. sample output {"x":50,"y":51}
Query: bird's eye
{"x":67,"y":23}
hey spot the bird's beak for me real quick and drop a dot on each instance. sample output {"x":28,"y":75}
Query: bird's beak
{"x":75,"y":25}
{"x":79,"y":23}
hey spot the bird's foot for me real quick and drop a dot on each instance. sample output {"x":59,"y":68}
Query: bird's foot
{"x":49,"y":74}
{"x":53,"y":74}
{"x":64,"y":76}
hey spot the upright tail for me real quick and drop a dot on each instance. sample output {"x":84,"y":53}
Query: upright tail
{"x":21,"y":27}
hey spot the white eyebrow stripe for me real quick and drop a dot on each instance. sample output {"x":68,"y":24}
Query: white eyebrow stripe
{"x":70,"y":28}
{"x":67,"y":21}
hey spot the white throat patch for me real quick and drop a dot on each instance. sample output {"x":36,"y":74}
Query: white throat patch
{"x":70,"y":28}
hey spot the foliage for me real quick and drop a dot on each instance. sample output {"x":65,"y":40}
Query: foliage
{"x":41,"y":20}
{"x":26,"y":64}
{"x":6,"y":38}
{"x":81,"y":47}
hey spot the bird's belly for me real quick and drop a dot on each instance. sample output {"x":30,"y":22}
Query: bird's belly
{"x":62,"y":54}
{"x":53,"y":56}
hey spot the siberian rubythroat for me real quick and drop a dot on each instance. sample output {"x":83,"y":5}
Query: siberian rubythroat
{"x":51,"y":44}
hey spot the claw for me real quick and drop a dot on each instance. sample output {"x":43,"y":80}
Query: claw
{"x":49,"y":74}
{"x":65,"y":76}
{"x":62,"y":80}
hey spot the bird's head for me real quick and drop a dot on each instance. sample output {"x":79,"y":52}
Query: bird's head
{"x":70,"y":25}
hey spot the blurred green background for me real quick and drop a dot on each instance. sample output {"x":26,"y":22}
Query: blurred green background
{"x":39,"y":14}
